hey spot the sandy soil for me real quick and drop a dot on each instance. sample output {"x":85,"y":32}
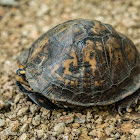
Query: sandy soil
{"x":21,"y":23}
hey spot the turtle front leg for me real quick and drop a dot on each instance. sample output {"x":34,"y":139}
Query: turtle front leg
{"x":37,"y":98}
{"x":128,"y":101}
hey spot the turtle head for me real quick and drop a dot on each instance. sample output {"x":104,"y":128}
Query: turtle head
{"x":20,"y":75}
{"x":21,"y":70}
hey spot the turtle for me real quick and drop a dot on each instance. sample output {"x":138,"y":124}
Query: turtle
{"x":78,"y":64}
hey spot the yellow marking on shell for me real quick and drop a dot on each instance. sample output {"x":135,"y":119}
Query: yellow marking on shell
{"x":66,"y":63}
{"x":39,"y":48}
{"x":84,"y":84}
{"x":67,"y":81}
{"x":98,"y":27}
{"x":59,"y":77}
{"x":36,"y":52}
{"x":54,"y":102}
{"x":88,"y":84}
{"x":119,"y":60}
{"x":99,"y":46}
{"x":31,"y":89}
{"x":53,"y":71}
{"x":40,"y":100}
{"x":92,"y":61}
{"x":55,"y":68}
{"x":45,"y":41}
{"x":74,"y":83}
{"x":98,"y":83}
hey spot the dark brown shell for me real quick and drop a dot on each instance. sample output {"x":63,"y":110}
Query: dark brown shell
{"x":83,"y":62}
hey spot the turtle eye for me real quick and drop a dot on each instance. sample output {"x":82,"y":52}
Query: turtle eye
{"x":20,"y":71}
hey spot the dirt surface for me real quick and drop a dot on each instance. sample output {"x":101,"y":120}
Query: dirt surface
{"x":21,"y":23}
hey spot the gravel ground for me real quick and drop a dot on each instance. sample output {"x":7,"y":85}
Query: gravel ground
{"x":22,"y":22}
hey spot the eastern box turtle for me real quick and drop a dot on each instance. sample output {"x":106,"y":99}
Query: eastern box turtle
{"x":80,"y":63}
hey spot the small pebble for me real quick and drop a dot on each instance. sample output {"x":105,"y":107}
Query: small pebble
{"x":36,"y":120}
{"x":138,"y":137}
{"x":33,"y":108}
{"x":66,"y":119}
{"x":80,"y":118}
{"x":75,"y":132}
{"x":75,"y":125}
{"x":23,"y":137}
{"x":22,"y":111}
{"x":24,"y":128}
{"x":137,"y":132}
{"x":14,"y":126}
{"x":59,"y":128}
{"x":40,"y":133}
{"x":93,"y":133}
{"x":1,"y":104}
{"x":17,"y":98}
{"x":2,"y":122}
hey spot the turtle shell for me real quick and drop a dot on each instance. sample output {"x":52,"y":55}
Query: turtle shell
{"x":82,"y":63}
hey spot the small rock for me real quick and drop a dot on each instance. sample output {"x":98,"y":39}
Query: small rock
{"x":2,"y":122}
{"x":127,"y":127}
{"x":75,"y":125}
{"x":75,"y":132}
{"x":133,"y":137}
{"x":36,"y":120}
{"x":45,"y":112}
{"x":138,"y":137}
{"x":22,"y":111}
{"x":117,"y":136}
{"x":24,"y":128}
{"x":99,"y":120}
{"x":40,"y":133}
{"x":66,"y":119}
{"x":80,"y":118}
{"x":93,"y":133}
{"x":17,"y":98}
{"x":44,"y":127}
{"x":23,"y":137}
{"x":67,"y":130}
{"x":1,"y":104}
{"x":33,"y":108}
{"x":59,"y":128}
{"x":43,"y":10}
{"x":14,"y":126}
{"x":137,"y":132}
{"x":4,"y":134}
{"x":84,"y":134}
{"x":9,"y":3}
{"x":33,"y":138}
{"x":54,"y":134}
{"x":109,"y":129}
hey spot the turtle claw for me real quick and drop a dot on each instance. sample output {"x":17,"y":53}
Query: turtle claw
{"x":128,"y":102}
{"x":120,"y":111}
